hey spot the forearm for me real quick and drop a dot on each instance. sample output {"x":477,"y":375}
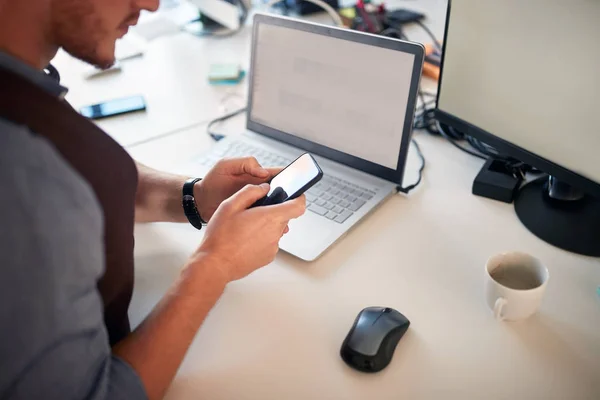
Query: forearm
{"x":158,"y":196}
{"x":157,"y":347}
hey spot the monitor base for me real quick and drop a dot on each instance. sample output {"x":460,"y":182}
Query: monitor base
{"x":572,"y":225}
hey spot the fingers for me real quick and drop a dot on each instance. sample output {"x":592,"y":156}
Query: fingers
{"x":290,"y":209}
{"x":246,"y":197}
{"x":247,"y":165}
{"x":274,"y":171}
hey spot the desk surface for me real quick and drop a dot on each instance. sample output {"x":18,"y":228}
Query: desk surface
{"x":277,"y":333}
{"x":172,"y":77}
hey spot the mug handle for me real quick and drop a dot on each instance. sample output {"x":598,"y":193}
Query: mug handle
{"x":498,"y":306}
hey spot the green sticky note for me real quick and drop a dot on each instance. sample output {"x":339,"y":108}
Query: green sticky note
{"x":224,"y":72}
{"x":229,"y":81}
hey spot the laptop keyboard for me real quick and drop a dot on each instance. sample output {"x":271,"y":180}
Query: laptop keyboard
{"x":241,"y":149}
{"x":332,"y":198}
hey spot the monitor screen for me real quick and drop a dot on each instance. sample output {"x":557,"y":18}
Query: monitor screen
{"x":527,"y":72}
{"x":344,"y":95}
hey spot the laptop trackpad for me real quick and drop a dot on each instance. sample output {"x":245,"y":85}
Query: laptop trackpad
{"x":309,"y":236}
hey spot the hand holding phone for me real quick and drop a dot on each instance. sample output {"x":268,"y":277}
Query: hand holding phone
{"x":292,"y":181}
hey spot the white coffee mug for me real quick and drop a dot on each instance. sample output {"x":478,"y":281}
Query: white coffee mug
{"x":515,"y":284}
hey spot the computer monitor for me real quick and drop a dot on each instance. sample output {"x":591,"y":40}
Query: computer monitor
{"x":524,"y":77}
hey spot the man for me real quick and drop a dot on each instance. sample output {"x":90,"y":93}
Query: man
{"x":68,"y":198}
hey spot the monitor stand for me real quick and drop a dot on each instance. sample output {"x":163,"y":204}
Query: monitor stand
{"x":560,"y":215}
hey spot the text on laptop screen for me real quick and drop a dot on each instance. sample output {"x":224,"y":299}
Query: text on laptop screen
{"x":348,"y":96}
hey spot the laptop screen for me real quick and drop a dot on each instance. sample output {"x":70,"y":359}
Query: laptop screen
{"x":348,"y":96}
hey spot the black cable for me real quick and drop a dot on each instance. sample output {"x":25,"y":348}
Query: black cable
{"x":455,"y":134}
{"x":486,"y":149}
{"x":431,"y":35}
{"x":423,"y":102}
{"x":407,"y":189}
{"x":480,"y":149}
{"x":426,"y":120}
{"x":218,"y":136}
{"x":452,"y":141}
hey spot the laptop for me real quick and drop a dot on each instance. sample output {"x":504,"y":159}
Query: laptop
{"x":346,"y":97}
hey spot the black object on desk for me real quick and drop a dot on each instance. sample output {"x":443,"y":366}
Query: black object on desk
{"x":370,"y":344}
{"x":114,"y":107}
{"x":402,"y":16}
{"x":495,"y":181}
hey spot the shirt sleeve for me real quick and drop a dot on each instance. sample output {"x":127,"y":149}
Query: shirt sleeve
{"x":53,"y":342}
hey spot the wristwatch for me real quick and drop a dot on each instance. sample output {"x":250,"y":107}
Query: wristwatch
{"x":189,"y":204}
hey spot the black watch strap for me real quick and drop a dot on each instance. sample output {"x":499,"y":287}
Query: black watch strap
{"x":189,"y":204}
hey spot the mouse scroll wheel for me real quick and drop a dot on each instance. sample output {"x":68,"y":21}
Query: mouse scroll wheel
{"x":387,"y":310}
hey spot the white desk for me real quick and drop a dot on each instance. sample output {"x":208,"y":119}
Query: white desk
{"x":277,"y":333}
{"x":172,"y":77}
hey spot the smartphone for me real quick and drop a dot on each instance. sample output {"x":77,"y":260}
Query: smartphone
{"x":292,"y":181}
{"x":114,"y":107}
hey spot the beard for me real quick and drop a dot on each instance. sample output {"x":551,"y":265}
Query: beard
{"x":78,"y":29}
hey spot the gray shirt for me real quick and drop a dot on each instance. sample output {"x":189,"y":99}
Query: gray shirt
{"x":53,"y":342}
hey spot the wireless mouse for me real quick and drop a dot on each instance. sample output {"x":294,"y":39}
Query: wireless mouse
{"x":370,"y":344}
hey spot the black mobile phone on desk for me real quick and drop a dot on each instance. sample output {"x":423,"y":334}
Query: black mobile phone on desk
{"x":114,"y":107}
{"x":292,"y":181}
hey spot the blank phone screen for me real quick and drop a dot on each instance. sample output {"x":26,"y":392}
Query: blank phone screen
{"x":114,"y":107}
{"x":289,"y":181}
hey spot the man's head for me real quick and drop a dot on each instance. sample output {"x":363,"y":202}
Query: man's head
{"x":88,"y":29}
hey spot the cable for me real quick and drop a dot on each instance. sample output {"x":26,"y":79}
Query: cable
{"x":452,"y":141}
{"x":423,"y":102}
{"x":218,"y":136}
{"x":479,"y":149}
{"x":430,"y":94}
{"x":407,"y":189}
{"x":425,"y":119}
{"x":486,"y":149}
{"x":319,"y":3}
{"x":431,"y":35}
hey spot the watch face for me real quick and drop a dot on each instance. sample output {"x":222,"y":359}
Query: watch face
{"x":187,"y":197}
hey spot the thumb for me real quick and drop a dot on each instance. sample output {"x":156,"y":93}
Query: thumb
{"x":243,"y":199}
